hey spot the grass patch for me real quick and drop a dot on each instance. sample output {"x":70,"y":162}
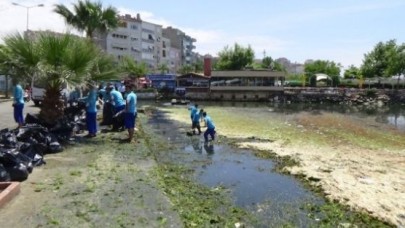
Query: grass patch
{"x":333,"y":214}
{"x":197,"y":205}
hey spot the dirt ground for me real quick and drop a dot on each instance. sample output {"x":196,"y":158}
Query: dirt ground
{"x":356,"y":161}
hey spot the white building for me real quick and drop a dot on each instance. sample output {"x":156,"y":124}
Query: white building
{"x":149,"y":43}
{"x":135,"y":38}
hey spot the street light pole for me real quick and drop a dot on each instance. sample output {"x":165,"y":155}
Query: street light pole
{"x":28,"y":9}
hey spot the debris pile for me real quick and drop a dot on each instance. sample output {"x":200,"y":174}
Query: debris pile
{"x":24,"y":148}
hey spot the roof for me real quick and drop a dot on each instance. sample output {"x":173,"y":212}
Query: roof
{"x":193,"y":75}
{"x":246,"y":73}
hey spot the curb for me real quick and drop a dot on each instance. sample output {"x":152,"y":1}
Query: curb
{"x":8,"y":190}
{"x":5,"y":100}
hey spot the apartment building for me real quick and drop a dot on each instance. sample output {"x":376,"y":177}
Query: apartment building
{"x":135,"y":38}
{"x":149,"y":43}
{"x":182,"y":42}
{"x":151,"y":38}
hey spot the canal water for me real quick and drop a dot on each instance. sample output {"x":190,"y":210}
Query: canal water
{"x":276,"y":199}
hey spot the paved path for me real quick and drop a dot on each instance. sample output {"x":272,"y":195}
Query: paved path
{"x":6,"y":113}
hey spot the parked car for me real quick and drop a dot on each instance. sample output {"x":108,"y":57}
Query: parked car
{"x":38,"y":93}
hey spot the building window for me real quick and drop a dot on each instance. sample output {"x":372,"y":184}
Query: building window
{"x":164,"y":44}
{"x":114,"y":35}
{"x":134,"y":39}
{"x":134,"y":27}
{"x":119,"y":48}
{"x":164,"y":53}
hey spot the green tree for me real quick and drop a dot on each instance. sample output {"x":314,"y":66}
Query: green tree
{"x":276,"y":66}
{"x":235,"y":58}
{"x":352,"y":72}
{"x":20,"y":58}
{"x":396,"y":59}
{"x":7,"y":67}
{"x":185,"y":69}
{"x":267,"y":62}
{"x":330,"y":68}
{"x":377,"y":63}
{"x":198,"y":66}
{"x":89,"y":17}
{"x":130,"y":68}
{"x":57,"y":60}
{"x":163,"y":68}
{"x":321,"y":66}
{"x":104,"y":68}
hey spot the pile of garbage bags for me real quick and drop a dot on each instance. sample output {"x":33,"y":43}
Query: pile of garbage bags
{"x":24,"y":148}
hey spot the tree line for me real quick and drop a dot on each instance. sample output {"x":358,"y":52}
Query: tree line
{"x":387,"y":59}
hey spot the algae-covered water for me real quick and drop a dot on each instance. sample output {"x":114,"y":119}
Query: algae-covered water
{"x":276,"y":199}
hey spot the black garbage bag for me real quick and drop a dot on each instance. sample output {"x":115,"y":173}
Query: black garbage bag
{"x":118,"y":121}
{"x":30,"y":131}
{"x":16,"y":168}
{"x":11,"y":157}
{"x":53,"y":145}
{"x":32,"y":119}
{"x":4,"y":176}
{"x":8,"y":138}
{"x":63,"y":129}
{"x":74,"y":111}
{"x":18,"y":172}
{"x":108,"y":113}
{"x":30,"y":150}
{"x":43,"y":140}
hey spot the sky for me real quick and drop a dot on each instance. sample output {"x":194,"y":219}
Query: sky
{"x":336,"y":30}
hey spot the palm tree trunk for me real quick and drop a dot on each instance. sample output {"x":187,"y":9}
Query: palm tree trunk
{"x":52,"y":106}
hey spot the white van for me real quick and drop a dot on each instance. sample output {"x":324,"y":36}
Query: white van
{"x":38,"y":93}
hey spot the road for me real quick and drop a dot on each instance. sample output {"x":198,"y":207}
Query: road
{"x":6,"y":113}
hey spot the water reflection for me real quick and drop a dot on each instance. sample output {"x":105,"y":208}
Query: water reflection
{"x":196,"y":144}
{"x":209,"y":147}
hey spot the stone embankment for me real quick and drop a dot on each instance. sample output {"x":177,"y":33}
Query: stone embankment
{"x":367,"y":97}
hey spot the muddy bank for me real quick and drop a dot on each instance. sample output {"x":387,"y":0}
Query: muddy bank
{"x":356,"y":161}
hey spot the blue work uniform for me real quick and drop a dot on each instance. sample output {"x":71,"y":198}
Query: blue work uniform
{"x":18,"y":104}
{"x":91,"y":112}
{"x":196,"y":122}
{"x":193,"y":111}
{"x":131,"y":110}
{"x":210,"y":128}
{"x":117,"y":100}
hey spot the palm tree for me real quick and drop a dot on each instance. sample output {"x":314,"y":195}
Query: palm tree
{"x":133,"y":70}
{"x":89,"y":17}
{"x":59,"y":60}
{"x":19,"y":58}
{"x":5,"y":66}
